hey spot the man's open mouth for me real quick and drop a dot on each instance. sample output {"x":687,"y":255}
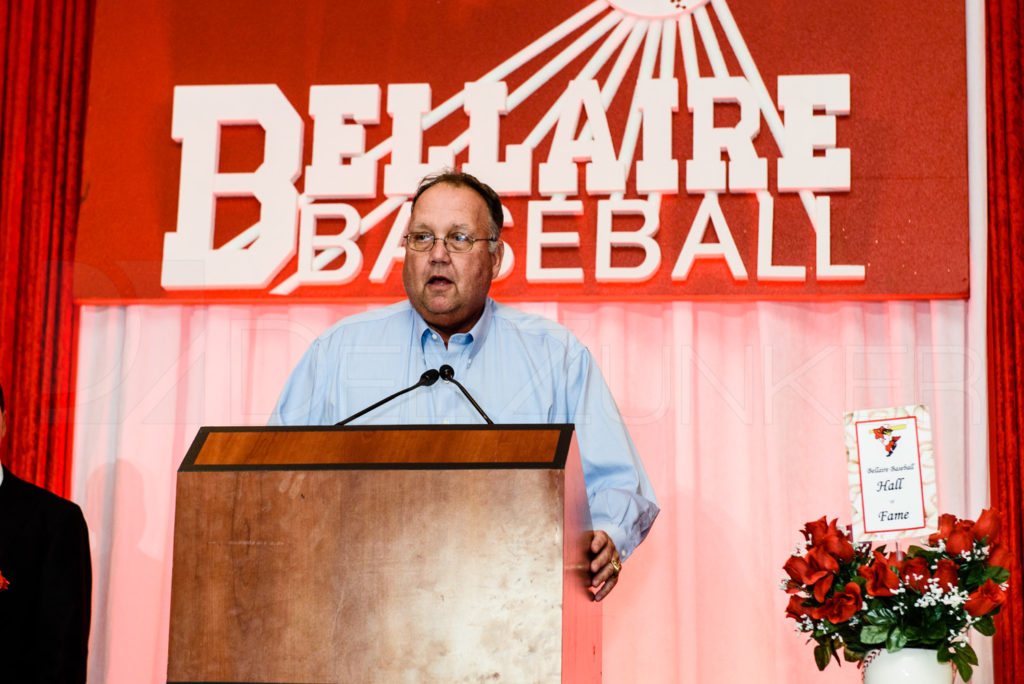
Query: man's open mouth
{"x":439,"y":280}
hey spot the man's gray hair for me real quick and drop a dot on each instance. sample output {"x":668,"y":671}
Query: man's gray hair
{"x":464,"y":180}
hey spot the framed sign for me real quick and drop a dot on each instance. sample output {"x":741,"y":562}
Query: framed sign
{"x":893,"y":491}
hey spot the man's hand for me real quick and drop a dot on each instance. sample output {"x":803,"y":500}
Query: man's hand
{"x":605,"y":566}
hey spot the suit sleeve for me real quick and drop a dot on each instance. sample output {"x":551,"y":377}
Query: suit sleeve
{"x":66,"y":599}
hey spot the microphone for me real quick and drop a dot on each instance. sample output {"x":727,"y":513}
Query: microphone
{"x":448,"y":374}
{"x":428,"y":378}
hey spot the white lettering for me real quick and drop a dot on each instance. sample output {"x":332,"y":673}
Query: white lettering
{"x":766,"y":270}
{"x":643,"y":238}
{"x":826,"y":270}
{"x":537,"y":240}
{"x":485,"y":102}
{"x":407,"y":103}
{"x":604,"y":173}
{"x":253,"y":259}
{"x":657,"y":171}
{"x":799,"y":168}
{"x":706,"y":171}
{"x":334,"y":140}
{"x":310,"y":242}
{"x":393,"y":251}
{"x":709,"y":214}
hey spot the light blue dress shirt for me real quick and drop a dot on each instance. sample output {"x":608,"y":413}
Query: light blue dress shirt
{"x":520,"y":368}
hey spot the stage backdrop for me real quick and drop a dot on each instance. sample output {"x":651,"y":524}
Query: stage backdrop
{"x":736,"y":406}
{"x":645,"y":149}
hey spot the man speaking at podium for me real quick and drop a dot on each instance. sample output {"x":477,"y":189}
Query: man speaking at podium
{"x":519,"y":367}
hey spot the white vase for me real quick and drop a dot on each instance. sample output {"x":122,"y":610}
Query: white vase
{"x":906,"y":666}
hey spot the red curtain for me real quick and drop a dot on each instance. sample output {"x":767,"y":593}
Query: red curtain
{"x":44,"y":47}
{"x":1005,"y":86}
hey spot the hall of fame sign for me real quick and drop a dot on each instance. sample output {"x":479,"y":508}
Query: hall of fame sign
{"x":891,"y":467}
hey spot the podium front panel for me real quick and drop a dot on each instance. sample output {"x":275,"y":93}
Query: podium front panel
{"x":345,"y":570}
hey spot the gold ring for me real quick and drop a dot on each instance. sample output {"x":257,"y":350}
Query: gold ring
{"x":616,"y":565}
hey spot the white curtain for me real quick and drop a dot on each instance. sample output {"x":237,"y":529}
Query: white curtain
{"x":736,"y":409}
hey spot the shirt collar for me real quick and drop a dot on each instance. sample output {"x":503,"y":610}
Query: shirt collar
{"x":476,"y":335}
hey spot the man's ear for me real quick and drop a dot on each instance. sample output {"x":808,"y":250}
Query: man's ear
{"x":496,"y":257}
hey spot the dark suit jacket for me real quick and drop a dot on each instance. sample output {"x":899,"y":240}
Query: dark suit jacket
{"x":44,"y":614}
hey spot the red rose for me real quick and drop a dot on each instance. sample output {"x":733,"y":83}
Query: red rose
{"x":843,"y":605}
{"x":813,"y":570}
{"x":821,"y":559}
{"x":946,"y":522}
{"x":948,"y":574}
{"x":960,"y":539}
{"x":830,"y":538}
{"x":915,"y":574}
{"x":4,"y":583}
{"x":815,"y":530}
{"x":801,"y":571}
{"x":881,"y":580}
{"x":985,"y":599}
{"x":893,"y":560}
{"x":1000,"y":557}
{"x":841,"y":548}
{"x":822,"y":586}
{"x":795,"y":608}
{"x":987,"y":525}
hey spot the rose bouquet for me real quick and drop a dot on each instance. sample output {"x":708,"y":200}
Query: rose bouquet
{"x":858,"y":598}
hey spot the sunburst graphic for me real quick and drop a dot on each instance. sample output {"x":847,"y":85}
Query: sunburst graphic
{"x":626,"y":30}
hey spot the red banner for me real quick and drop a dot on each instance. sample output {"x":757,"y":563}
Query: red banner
{"x":652,"y":149}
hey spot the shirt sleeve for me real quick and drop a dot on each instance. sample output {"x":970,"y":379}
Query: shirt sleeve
{"x":622,"y":501}
{"x":302,"y":400}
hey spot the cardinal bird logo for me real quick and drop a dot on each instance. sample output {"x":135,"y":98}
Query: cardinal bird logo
{"x":885,"y":435}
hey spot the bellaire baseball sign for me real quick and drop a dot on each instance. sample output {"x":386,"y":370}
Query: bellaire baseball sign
{"x":643,"y":149}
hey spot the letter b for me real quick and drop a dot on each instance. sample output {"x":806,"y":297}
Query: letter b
{"x":254,"y":257}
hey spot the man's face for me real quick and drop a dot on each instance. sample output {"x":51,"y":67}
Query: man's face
{"x":449,"y":290}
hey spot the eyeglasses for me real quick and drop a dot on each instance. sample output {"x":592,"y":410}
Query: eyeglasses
{"x":453,"y":242}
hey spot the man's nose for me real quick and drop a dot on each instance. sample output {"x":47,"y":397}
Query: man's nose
{"x":438,"y":252}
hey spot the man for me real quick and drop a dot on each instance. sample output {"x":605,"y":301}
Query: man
{"x":519,"y":367}
{"x":45,"y":609}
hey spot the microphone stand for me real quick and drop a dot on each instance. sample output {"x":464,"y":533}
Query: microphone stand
{"x":428,"y":378}
{"x":448,"y":374}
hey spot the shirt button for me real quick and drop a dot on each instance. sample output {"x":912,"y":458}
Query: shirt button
{"x":447,"y":422}
{"x":434,"y":337}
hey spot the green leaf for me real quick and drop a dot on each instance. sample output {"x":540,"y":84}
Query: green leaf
{"x":873,"y":634}
{"x":879,"y":615}
{"x":823,"y":654}
{"x":944,"y":655}
{"x":986,"y":625}
{"x":967,"y":652}
{"x":976,"y":575}
{"x":997,"y":574}
{"x":963,"y":667}
{"x":897,"y":640}
{"x":936,"y":631}
{"x":852,"y":655}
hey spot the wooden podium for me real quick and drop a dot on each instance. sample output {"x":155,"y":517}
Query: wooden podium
{"x":383,"y":554}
